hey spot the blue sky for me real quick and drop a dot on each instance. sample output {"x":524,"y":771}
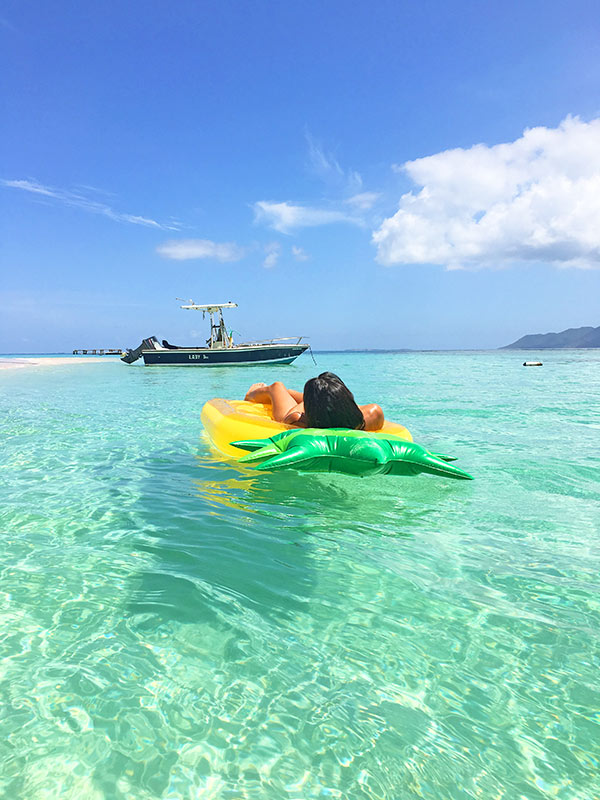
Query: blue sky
{"x":385,"y":174}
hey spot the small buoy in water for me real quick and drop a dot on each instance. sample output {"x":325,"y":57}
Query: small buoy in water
{"x":532,"y":364}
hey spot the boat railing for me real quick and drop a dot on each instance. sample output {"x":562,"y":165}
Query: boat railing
{"x":295,"y":339}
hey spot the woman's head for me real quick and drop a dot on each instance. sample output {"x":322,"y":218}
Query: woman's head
{"x":328,"y":403}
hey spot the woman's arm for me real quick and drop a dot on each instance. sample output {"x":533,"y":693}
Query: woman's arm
{"x":286,"y":408}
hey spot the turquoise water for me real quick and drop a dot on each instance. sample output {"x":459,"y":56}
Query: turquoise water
{"x":174,"y":626}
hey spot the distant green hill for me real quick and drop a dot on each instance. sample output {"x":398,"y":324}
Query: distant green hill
{"x":572,"y":337}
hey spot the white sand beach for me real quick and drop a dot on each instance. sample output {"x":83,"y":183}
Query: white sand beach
{"x":50,"y":361}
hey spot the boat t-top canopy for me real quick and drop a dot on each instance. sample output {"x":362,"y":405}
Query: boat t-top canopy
{"x":219,"y":337}
{"x":210,"y":308}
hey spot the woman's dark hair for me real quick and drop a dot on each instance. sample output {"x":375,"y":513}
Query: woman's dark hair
{"x":328,"y":403}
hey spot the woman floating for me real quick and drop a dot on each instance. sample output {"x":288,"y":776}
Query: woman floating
{"x":319,"y":430}
{"x":325,"y":403}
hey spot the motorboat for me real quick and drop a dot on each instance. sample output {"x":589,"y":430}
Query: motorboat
{"x":220,"y":349}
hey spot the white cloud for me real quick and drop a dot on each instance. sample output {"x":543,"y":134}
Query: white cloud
{"x":32,"y":186}
{"x":185,"y":249}
{"x":346,"y":200}
{"x":273,"y":251}
{"x":321,"y":163}
{"x":78,"y":199}
{"x":364,"y":200}
{"x":534,"y":199}
{"x":299,"y":254}
{"x":285,"y":217}
{"x":326,"y":167}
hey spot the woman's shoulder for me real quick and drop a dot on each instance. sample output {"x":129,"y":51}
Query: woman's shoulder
{"x":373,"y":416}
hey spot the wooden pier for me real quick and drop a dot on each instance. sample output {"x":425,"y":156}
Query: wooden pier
{"x":99,"y":351}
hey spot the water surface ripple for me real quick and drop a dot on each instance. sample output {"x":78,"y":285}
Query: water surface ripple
{"x":175,"y":626}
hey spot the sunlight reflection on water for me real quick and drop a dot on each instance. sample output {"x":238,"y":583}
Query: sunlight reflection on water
{"x":175,"y":625}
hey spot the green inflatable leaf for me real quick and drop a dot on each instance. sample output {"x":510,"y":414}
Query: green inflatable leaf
{"x":346,"y":451}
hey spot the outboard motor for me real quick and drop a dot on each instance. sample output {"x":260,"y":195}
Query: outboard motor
{"x":129,"y":356}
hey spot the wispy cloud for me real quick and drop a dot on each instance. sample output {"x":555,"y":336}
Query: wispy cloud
{"x":273,"y":251}
{"x":299,"y":254}
{"x":326,"y":167}
{"x":31,"y":186}
{"x":321,"y":163}
{"x":79,"y":199}
{"x":534,"y":199}
{"x":363,"y":201}
{"x":187,"y":249}
{"x":286,"y":217}
{"x":346,"y":202}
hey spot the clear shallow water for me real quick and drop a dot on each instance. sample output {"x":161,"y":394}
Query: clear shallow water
{"x":174,"y":626}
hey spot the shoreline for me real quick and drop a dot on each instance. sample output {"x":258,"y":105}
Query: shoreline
{"x":12,"y":362}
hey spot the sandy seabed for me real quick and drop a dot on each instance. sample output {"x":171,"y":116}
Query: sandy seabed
{"x":20,"y":363}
